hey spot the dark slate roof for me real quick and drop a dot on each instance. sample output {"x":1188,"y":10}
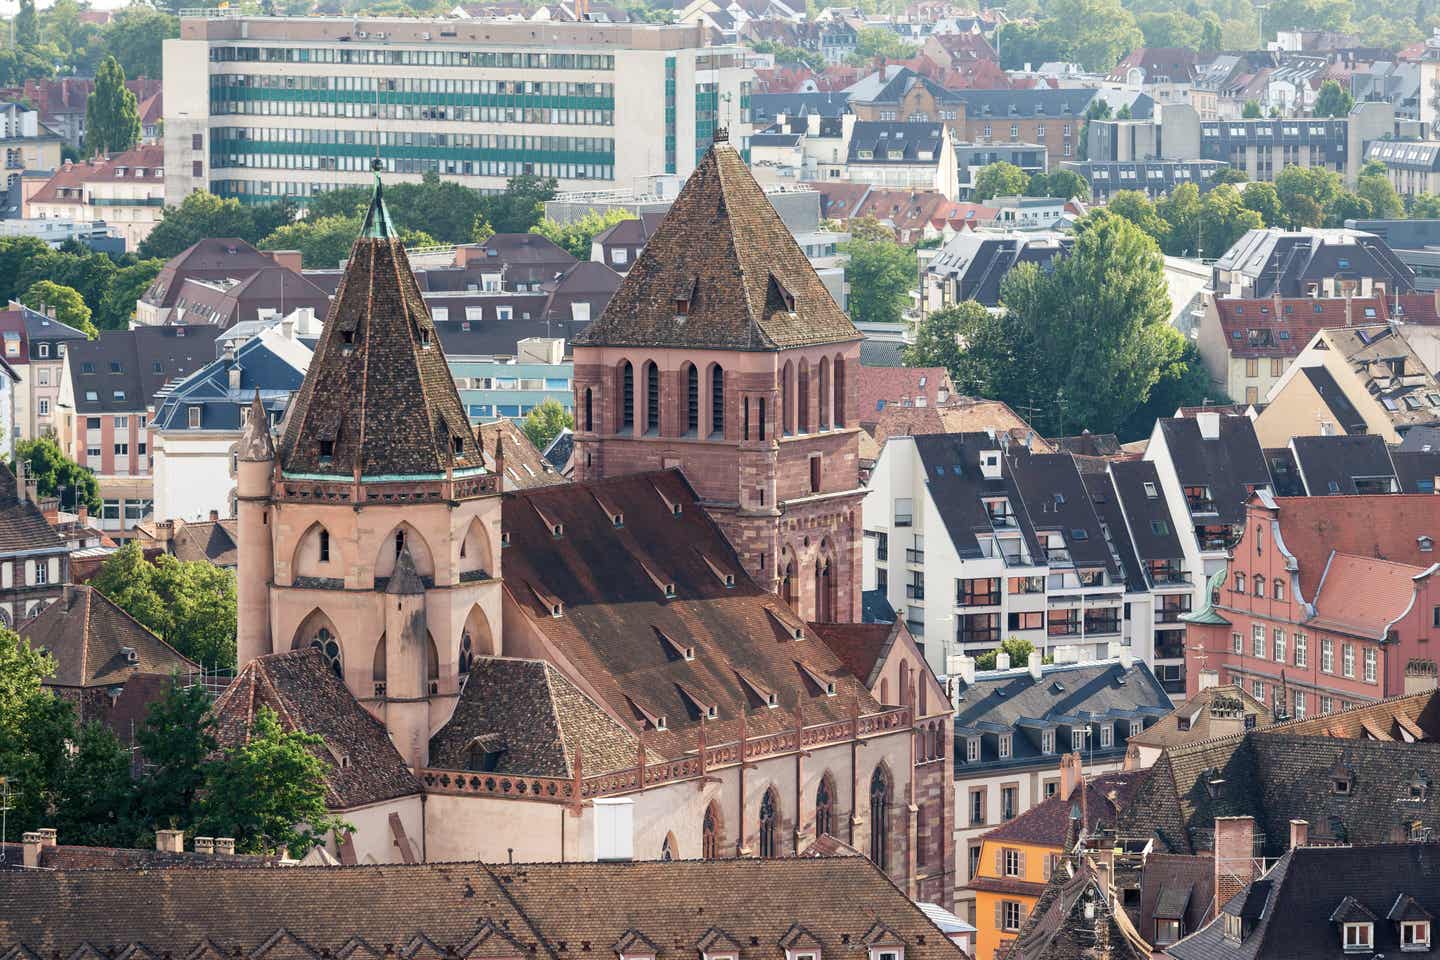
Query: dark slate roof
{"x":875,"y":607}
{"x":122,"y":370}
{"x":1231,"y":464}
{"x":1150,"y":519}
{"x":263,"y":365}
{"x":765,"y":106}
{"x":587,"y":282}
{"x":225,"y":304}
{"x":23,"y":527}
{"x":1285,"y":477}
{"x":1420,"y":439}
{"x":619,"y":630}
{"x":1065,"y":693}
{"x":723,"y":250}
{"x":213,"y":541}
{"x":560,"y":449}
{"x":471,"y":909}
{"x":1305,"y":890}
{"x":881,"y":353}
{"x":306,"y":695}
{"x":1055,"y":497}
{"x":1275,"y":260}
{"x":977,"y":263}
{"x":214,"y":259}
{"x":896,"y":142}
{"x":535,"y":719}
{"x":1344,"y":411}
{"x":40,"y":327}
{"x":1175,"y":887}
{"x":956,"y":485}
{"x":1416,"y":470}
{"x":88,"y":634}
{"x":378,"y":388}
{"x":1332,"y":465}
{"x":1048,"y":822}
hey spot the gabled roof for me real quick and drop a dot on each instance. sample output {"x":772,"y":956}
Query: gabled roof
{"x":882,"y":386}
{"x":524,"y":465}
{"x":1343,"y":605}
{"x":724,"y":254}
{"x":1049,"y":822}
{"x":1073,"y":916}
{"x":306,"y":695}
{"x":535,"y":719}
{"x":378,"y":399}
{"x":1335,"y":399}
{"x":862,"y":647}
{"x":1335,"y":464}
{"x":93,"y":640}
{"x":1199,"y":717}
{"x":1230,"y":463}
{"x":1386,"y":528}
{"x":22,"y":526}
{"x":123,"y":370}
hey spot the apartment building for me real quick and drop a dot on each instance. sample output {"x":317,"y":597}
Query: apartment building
{"x":264,"y":107}
{"x":27,"y":144}
{"x":34,"y":558}
{"x":109,"y":393}
{"x":973,"y":540}
{"x":1273,"y":262}
{"x":127,"y":191}
{"x":34,"y":346}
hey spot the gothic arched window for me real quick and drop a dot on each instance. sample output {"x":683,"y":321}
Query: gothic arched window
{"x":667,"y":850}
{"x":325,"y":642}
{"x":467,"y":654}
{"x":824,"y":808}
{"x":879,"y":818}
{"x":710,"y":834}
{"x":769,"y":825}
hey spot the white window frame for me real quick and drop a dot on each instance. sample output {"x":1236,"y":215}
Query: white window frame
{"x":1004,"y":746}
{"x":1278,"y":636}
{"x":1371,"y":666}
{"x":1257,"y":640}
{"x":1357,"y":943}
{"x":1008,"y":909}
{"x":972,"y":749}
{"x":1417,"y":941}
{"x":1010,"y":862}
{"x":1302,"y":650}
{"x":1347,"y":660}
{"x":1107,"y":736}
{"x":1327,"y":655}
{"x":1237,"y":642}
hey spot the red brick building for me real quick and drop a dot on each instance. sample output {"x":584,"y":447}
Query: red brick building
{"x":724,"y":355}
{"x":1326,"y":602}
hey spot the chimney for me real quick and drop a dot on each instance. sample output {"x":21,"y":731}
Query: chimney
{"x":287,"y":327}
{"x":1037,"y":661}
{"x":1071,"y":774}
{"x":962,"y":667}
{"x":214,"y":516}
{"x":1299,"y":833}
{"x":290,"y":259}
{"x":30,"y":844}
{"x":1127,"y":657}
{"x":205,"y":845}
{"x":170,"y":841}
{"x":1002,"y":661}
{"x":224,"y":846}
{"x":1209,"y":424}
{"x":1209,"y":678}
{"x":47,"y":836}
{"x":233,"y":372}
{"x":1234,"y":856}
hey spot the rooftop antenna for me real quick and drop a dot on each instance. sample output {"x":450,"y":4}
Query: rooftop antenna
{"x":5,"y":807}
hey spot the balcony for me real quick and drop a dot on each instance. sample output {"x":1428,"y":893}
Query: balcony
{"x":1172,"y":609}
{"x":1169,"y":574}
{"x":914,"y":556}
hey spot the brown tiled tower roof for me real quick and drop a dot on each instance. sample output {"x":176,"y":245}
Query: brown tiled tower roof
{"x":723,"y":250}
{"x":378,"y":399}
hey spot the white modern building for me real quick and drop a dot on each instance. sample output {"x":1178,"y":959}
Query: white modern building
{"x":264,"y":107}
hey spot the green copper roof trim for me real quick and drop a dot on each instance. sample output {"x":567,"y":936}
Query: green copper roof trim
{"x":385,"y":477}
{"x":1207,"y":614}
{"x":378,"y":225}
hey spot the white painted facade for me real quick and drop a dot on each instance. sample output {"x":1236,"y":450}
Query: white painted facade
{"x":194,"y":473}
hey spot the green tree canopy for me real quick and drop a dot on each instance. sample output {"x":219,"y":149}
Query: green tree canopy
{"x":65,"y":302}
{"x":56,"y":475}
{"x":112,"y":117}
{"x":135,"y":37}
{"x":1264,"y":200}
{"x":520,"y":206}
{"x":1000,"y":179}
{"x":117,"y":304}
{"x":1251,"y":110}
{"x":177,"y":741}
{"x":1306,"y":193}
{"x":324,"y":242}
{"x":879,"y":275}
{"x":34,"y":728}
{"x":576,"y":236}
{"x":200,"y":216}
{"x":544,"y":423}
{"x":269,"y":794}
{"x":1065,"y":184}
{"x":95,"y":803}
{"x":873,"y":42}
{"x":190,"y":604}
{"x":27,"y":25}
{"x":1425,"y":206}
{"x":1375,"y":188}
{"x":1333,"y":100}
{"x":1017,"y":648}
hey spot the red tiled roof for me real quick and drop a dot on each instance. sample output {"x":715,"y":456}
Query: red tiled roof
{"x":150,"y":158}
{"x":1386,"y":527}
{"x":1344,"y":604}
{"x":901,"y":385}
{"x":1048,"y":823}
{"x":858,"y":645}
{"x":1260,"y":322}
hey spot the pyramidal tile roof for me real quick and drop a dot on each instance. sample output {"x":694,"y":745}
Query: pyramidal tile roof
{"x":378,"y":400}
{"x":721,"y":271}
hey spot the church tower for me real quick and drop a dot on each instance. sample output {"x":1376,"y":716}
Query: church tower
{"x":373,"y":532}
{"x":723,"y":354}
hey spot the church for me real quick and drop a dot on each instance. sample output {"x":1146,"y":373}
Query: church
{"x":662,"y":660}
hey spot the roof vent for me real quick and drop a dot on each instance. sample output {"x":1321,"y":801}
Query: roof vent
{"x":130,"y":655}
{"x":557,"y":609}
{"x":618,"y":520}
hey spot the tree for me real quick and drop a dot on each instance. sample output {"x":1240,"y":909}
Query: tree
{"x":189,"y":604}
{"x":1333,"y":100}
{"x":544,"y":423}
{"x":1140,"y":210}
{"x":1251,"y":110}
{"x":879,"y":276}
{"x":1347,"y":206}
{"x":962,"y":340}
{"x":15,"y":255}
{"x":176,"y":741}
{"x":1211,"y":37}
{"x":1018,"y":649}
{"x":1262,"y":198}
{"x":877,"y":42}
{"x":66,"y":303}
{"x":1065,"y":184}
{"x":999,"y":179}
{"x":1096,"y":33}
{"x":1099,"y":109}
{"x":269,"y":793}
{"x":1204,"y":226}
{"x":200,"y":216}
{"x":522,"y":204}
{"x":788,"y":54}
{"x":1228,"y":175}
{"x":136,"y":36}
{"x":869,"y":228}
{"x":326,"y":241}
{"x":128,"y":285}
{"x":480,"y":229}
{"x":1022,"y":43}
{"x":34,"y":727}
{"x":1184,"y":382}
{"x":56,"y":475}
{"x":1425,"y":206}
{"x":96,"y":795}
{"x":112,"y":117}
{"x":1375,"y":189}
{"x":576,"y":236}
{"x":27,"y":26}
{"x":1297,"y":185}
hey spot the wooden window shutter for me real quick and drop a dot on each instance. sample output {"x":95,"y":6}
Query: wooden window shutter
{"x":999,"y":861}
{"x":1024,"y":912}
{"x":1020,"y":865}
{"x":999,"y":914}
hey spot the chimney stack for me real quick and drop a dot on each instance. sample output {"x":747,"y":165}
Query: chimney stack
{"x":214,"y":516}
{"x":224,"y":846}
{"x":1002,"y":661}
{"x":1299,"y":833}
{"x":30,"y":844}
{"x":1037,"y":660}
{"x":170,"y":841}
{"x":205,"y":845}
{"x":1234,"y":857}
{"x":47,"y":836}
{"x":1071,"y":774}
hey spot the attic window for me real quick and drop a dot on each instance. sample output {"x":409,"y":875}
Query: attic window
{"x":347,"y":337}
{"x":1150,"y":492}
{"x":504,"y":538}
{"x":682,"y":306}
{"x":557,"y":530}
{"x":669,"y":591}
{"x":557,"y":609}
{"x":1359,"y":937}
{"x":618,"y":520}
{"x":712,"y":712}
{"x":675,"y":510}
{"x":327,"y":449}
{"x":1340,"y":785}
{"x":458,"y":444}
{"x":425,"y":337}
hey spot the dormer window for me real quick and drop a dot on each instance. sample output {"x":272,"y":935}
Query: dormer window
{"x":1415,"y":935}
{"x":1047,"y":741}
{"x":1340,"y":785}
{"x":1359,"y":937}
{"x":424,"y":337}
{"x":327,"y":449}
{"x":1004,"y":748}
{"x":887,"y":953}
{"x":458,"y":445}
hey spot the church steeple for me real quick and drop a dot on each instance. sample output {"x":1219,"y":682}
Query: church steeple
{"x":378,"y":402}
